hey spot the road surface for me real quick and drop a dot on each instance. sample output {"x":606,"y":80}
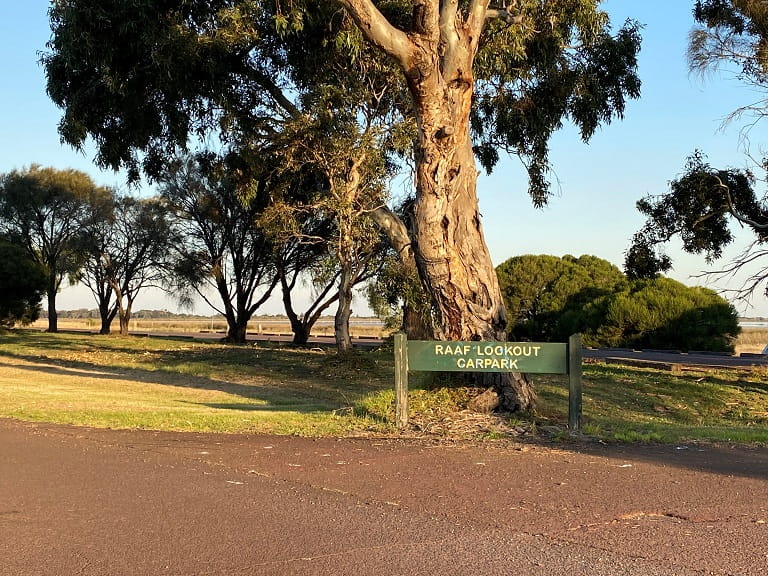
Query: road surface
{"x":100,"y":502}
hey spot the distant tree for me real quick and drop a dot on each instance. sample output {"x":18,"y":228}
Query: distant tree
{"x":219,"y":247}
{"x":96,"y":240}
{"x":44,"y":210}
{"x":22,"y":285}
{"x":299,"y":250}
{"x":538,"y":289}
{"x":137,"y":251}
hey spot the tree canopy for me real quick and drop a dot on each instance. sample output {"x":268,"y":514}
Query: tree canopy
{"x":703,"y":203}
{"x":732,"y":36}
{"x":537,"y":289}
{"x":220,"y":252}
{"x":142,"y":77}
{"x":698,"y":208}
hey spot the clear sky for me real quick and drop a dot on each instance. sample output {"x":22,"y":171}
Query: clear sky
{"x":597,"y":184}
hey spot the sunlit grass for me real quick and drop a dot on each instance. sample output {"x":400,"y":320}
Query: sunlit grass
{"x":641,"y":404}
{"x":151,"y":383}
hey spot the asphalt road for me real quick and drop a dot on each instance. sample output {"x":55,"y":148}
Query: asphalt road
{"x":670,"y":358}
{"x":99,"y":502}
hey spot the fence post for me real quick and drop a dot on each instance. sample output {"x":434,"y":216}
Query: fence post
{"x":574,"y":382}
{"x":401,"y":380}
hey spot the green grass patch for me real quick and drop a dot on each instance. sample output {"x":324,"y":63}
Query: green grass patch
{"x":165,"y":384}
{"x":628,"y":404}
{"x":155,"y":383}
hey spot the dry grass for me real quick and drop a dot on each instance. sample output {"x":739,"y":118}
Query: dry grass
{"x":371,"y":328}
{"x":752,"y":340}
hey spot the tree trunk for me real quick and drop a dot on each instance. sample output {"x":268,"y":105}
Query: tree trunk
{"x":437,"y":58}
{"x":299,"y":326}
{"x":414,"y":325}
{"x":344,"y":311}
{"x":300,"y":333}
{"x":237,"y":331}
{"x":452,"y":257}
{"x":53,"y":317}
{"x":106,"y":325}
{"x":125,"y":319}
{"x":107,"y":314}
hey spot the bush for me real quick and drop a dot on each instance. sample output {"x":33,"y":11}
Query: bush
{"x":22,"y":286}
{"x":549,"y":299}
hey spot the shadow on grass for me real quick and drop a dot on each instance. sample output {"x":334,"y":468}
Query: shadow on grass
{"x":274,"y":407}
{"x":692,"y":408}
{"x":277,"y":397}
{"x":228,"y":367}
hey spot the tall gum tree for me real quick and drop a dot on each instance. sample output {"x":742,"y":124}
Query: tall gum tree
{"x":437,"y":56}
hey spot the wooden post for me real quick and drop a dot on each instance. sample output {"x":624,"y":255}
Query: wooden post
{"x":401,"y":380}
{"x":574,"y":382}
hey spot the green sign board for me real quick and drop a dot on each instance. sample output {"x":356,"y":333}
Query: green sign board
{"x":488,"y":356}
{"x":529,"y":357}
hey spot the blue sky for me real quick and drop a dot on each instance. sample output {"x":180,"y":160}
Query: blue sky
{"x":597,"y":184}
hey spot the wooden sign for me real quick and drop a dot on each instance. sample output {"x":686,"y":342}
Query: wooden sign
{"x":486,"y":356}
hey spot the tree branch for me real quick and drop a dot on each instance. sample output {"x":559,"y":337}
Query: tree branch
{"x":277,"y":94}
{"x":732,"y":209}
{"x":478,"y":12}
{"x":378,"y":30}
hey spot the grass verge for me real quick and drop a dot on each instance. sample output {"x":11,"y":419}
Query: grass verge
{"x":166,"y":384}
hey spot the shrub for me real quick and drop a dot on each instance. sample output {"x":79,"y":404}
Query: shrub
{"x":549,"y":299}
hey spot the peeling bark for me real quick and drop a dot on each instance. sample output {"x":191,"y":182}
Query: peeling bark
{"x":449,"y":248}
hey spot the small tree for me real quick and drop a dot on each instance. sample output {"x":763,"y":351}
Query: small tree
{"x":22,"y":285}
{"x":297,"y":254}
{"x":219,"y":247}
{"x":352,"y":163}
{"x":135,"y":256}
{"x":44,"y":210}
{"x":96,"y":240}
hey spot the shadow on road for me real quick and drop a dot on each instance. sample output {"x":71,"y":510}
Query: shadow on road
{"x":738,"y":460}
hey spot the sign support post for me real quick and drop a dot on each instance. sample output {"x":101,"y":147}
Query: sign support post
{"x":574,"y":382}
{"x":401,"y":380}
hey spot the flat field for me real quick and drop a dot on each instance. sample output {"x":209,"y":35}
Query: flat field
{"x":359,"y":327}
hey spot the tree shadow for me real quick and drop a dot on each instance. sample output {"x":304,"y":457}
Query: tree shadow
{"x":724,"y":459}
{"x":283,"y":397}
